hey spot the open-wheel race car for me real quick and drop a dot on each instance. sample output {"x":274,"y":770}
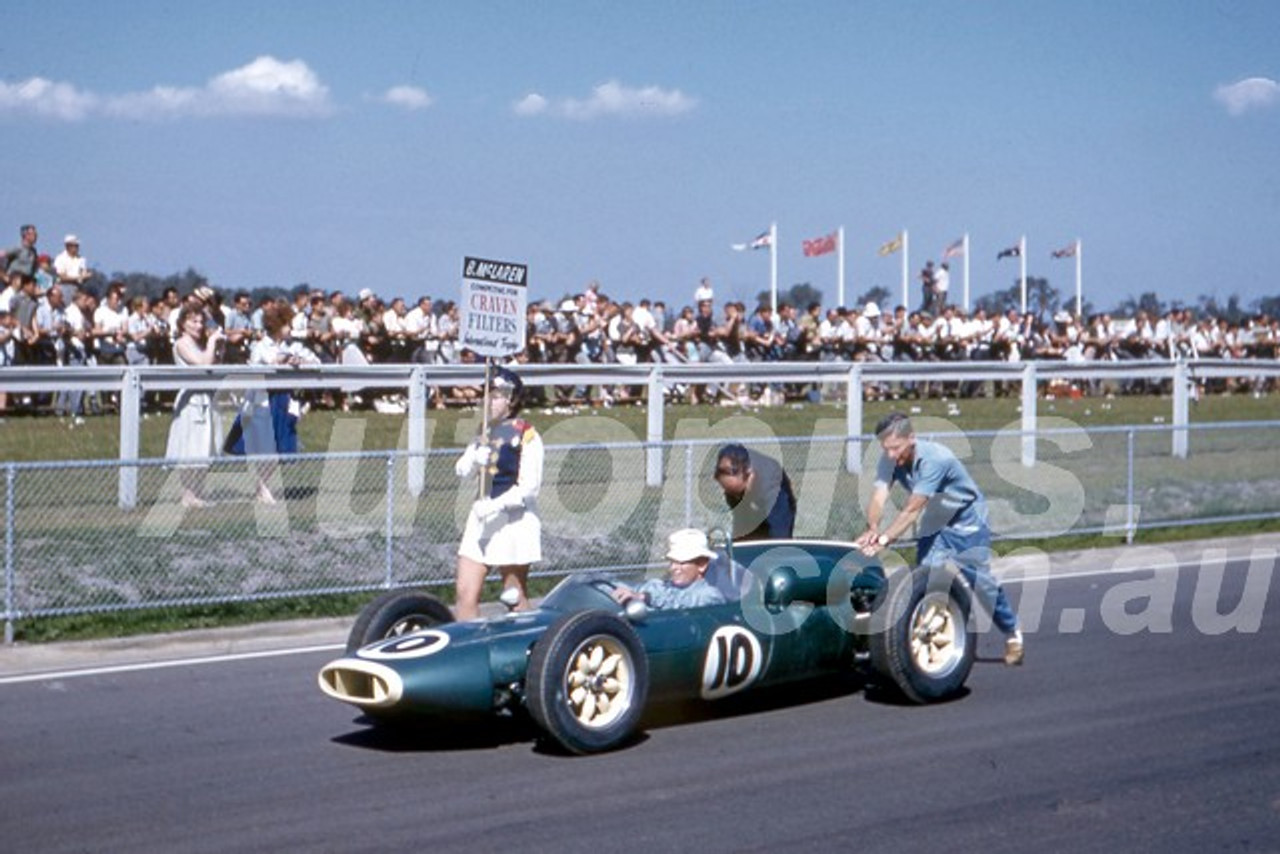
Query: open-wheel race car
{"x":585,"y":668}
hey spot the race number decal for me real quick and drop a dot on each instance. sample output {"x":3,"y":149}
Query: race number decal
{"x":733,"y":662}
{"x":416,"y":645}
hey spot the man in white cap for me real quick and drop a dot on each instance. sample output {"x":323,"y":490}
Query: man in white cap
{"x":70,"y":265}
{"x":685,"y":585}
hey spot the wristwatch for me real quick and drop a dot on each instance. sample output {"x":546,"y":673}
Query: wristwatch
{"x":882,"y":540}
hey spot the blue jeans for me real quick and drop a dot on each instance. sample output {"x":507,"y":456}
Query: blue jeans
{"x":972,"y":554}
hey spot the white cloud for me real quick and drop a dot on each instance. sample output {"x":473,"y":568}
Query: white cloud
{"x":1249,"y":94}
{"x":408,"y":97}
{"x":612,"y":99}
{"x":45,"y":98}
{"x":530,"y":105}
{"x":264,"y":87}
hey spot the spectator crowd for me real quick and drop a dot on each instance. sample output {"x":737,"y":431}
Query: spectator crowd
{"x":49,"y":315}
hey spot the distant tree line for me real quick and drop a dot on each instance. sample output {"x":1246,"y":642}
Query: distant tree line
{"x":152,"y":286}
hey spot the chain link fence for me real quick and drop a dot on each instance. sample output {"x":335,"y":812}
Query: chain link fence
{"x":363,"y":521}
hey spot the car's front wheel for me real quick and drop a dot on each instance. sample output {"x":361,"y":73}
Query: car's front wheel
{"x":923,"y":641}
{"x":587,"y":681}
{"x":395,"y":613}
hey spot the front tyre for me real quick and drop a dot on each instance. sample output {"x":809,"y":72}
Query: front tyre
{"x":395,"y":613}
{"x":587,"y":681}
{"x":923,"y":640}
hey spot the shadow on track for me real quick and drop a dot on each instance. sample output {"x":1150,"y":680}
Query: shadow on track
{"x":425,"y":735}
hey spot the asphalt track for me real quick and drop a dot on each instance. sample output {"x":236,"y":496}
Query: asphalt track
{"x":1109,"y":739}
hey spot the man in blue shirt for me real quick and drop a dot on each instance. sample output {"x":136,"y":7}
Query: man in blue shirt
{"x":686,"y":585}
{"x":952,"y":514}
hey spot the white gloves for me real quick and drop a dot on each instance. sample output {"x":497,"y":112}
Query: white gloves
{"x":474,"y":456}
{"x":487,"y":509}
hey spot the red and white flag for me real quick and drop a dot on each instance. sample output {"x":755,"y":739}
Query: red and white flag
{"x":955,"y":250}
{"x":1065,"y":252}
{"x":821,"y":245}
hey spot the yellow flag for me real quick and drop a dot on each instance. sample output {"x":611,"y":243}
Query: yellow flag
{"x":892,"y":246}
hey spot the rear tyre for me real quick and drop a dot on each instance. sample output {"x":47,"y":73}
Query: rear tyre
{"x":587,"y":682}
{"x":395,"y":613}
{"x":923,"y":642}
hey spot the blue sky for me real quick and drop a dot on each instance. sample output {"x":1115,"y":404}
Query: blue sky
{"x":376,"y":143}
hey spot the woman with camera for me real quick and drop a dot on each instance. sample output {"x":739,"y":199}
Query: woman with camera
{"x":195,"y":431}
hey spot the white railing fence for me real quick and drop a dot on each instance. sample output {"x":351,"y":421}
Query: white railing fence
{"x":851,"y":379}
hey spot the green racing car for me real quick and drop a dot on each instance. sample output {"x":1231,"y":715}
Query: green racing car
{"x":585,"y":668}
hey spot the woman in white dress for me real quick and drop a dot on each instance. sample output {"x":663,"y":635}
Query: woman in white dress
{"x":195,"y":432}
{"x":503,"y":529}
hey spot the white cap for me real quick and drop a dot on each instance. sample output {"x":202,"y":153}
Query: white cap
{"x":688,"y":544}
{"x":871,"y":310}
{"x":71,"y":238}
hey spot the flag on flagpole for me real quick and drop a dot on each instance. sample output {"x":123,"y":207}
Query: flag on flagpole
{"x":1011,"y":252}
{"x":1065,"y":252}
{"x":763,"y":241}
{"x":955,"y":250}
{"x":892,"y":246}
{"x":820,"y":245}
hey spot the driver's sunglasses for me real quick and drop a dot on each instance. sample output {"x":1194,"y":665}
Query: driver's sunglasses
{"x":727,"y":472}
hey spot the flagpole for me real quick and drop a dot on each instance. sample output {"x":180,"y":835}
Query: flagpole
{"x":840,"y":265}
{"x":1022,"y":269}
{"x":1079,"y":282}
{"x":773,"y":268}
{"x":966,"y":272}
{"x":906,"y":275}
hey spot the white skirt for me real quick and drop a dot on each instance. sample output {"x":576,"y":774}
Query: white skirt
{"x":196,"y":429}
{"x":512,"y":538}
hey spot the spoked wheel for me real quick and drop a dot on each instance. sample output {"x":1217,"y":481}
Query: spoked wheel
{"x":923,"y":641}
{"x":937,"y":635}
{"x":587,"y":682}
{"x":396,"y":613}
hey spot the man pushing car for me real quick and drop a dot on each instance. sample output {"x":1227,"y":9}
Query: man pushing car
{"x":952,"y":513}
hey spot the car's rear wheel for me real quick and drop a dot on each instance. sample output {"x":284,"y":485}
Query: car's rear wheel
{"x":395,"y":613}
{"x":587,"y":681}
{"x":923,"y":642}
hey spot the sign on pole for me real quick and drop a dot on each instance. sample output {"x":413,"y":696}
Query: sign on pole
{"x":494,"y":295}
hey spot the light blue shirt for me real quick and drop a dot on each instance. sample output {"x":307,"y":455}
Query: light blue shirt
{"x":954,"y":498}
{"x":661,"y":593}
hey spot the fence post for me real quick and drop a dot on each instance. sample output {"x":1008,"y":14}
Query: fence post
{"x":1130,"y":521}
{"x":1029,"y":414}
{"x":417,"y":443}
{"x":391,"y":515}
{"x":654,"y":427}
{"x":130,"y":406}
{"x":688,"y":484}
{"x":853,"y":421}
{"x":1181,"y":407}
{"x":10,"y":479}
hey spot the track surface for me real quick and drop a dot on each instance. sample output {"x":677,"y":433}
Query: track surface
{"x":1108,"y":740}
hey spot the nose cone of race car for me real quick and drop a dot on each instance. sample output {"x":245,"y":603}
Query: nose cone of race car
{"x":361,"y":683}
{"x":432,"y":672}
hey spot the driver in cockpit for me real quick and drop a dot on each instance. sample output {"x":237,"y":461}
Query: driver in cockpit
{"x":685,"y":585}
